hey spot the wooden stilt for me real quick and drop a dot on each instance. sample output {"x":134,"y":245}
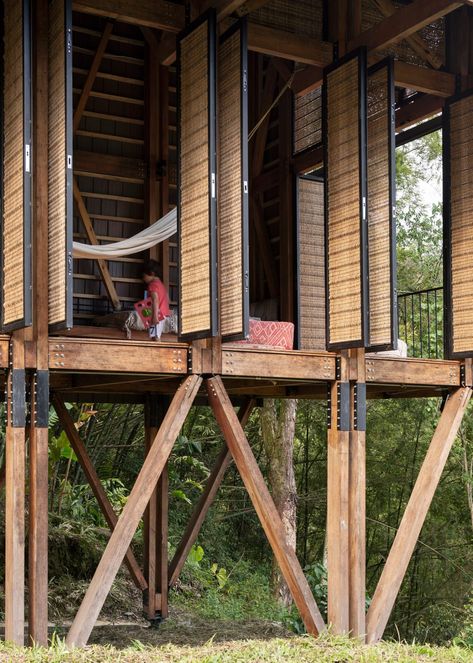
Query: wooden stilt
{"x":95,"y":484}
{"x":15,"y":497}
{"x":415,"y":513}
{"x":162,"y":583}
{"x":338,"y":441}
{"x":264,"y":505}
{"x":203,"y":505}
{"x":357,"y":501}
{"x":133,"y":511}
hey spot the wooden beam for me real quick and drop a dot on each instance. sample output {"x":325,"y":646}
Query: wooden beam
{"x":159,"y":14}
{"x":415,"y":513}
{"x":90,"y":80}
{"x":206,"y":499}
{"x":110,"y":165}
{"x":440,"y":83}
{"x":288,"y":45}
{"x":250,"y":6}
{"x":412,"y":371}
{"x":128,"y":521}
{"x":89,"y":229}
{"x":415,"y":41}
{"x":93,"y":479}
{"x":264,"y":505}
{"x":403,"y":23}
{"x":421,"y":108}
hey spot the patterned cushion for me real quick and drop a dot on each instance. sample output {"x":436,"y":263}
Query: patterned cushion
{"x":270,"y":334}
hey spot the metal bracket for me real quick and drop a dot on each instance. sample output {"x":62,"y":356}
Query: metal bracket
{"x":329,"y":405}
{"x":359,"y":406}
{"x":18,"y":398}
{"x":41,"y":399}
{"x":338,"y":368}
{"x":343,"y":406}
{"x":462,"y":375}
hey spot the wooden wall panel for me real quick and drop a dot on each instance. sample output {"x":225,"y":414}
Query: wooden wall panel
{"x":310,"y":263}
{"x":344,"y":100}
{"x":307,"y":120}
{"x":232,"y":87}
{"x":16,"y":160}
{"x":381,"y":202}
{"x":60,"y":164}
{"x":458,"y":226}
{"x":197,"y":184}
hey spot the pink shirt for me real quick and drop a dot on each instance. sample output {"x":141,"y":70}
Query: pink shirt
{"x":157,"y":286}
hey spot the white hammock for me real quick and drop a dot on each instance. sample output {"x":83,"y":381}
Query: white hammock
{"x":162,"y":229}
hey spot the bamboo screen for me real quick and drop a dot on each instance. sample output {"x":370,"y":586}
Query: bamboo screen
{"x":459,"y":226}
{"x":16,"y":213}
{"x":60,"y":164}
{"x":197,"y":181}
{"x":311,"y":263}
{"x":381,"y":232}
{"x":233,"y":183}
{"x":308,"y":120}
{"x":345,"y":159}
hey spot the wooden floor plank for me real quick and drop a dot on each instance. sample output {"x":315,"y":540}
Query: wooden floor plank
{"x":127,"y":523}
{"x":264,"y":505}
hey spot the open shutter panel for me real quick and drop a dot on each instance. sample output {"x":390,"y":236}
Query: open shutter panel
{"x":310,"y":263}
{"x":197,"y":202}
{"x":232,"y":89}
{"x":60,"y":164}
{"x":16,"y":176}
{"x":458,"y":226}
{"x":344,"y":103}
{"x":381,"y":201}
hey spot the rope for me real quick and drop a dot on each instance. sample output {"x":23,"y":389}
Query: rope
{"x":275,"y":103}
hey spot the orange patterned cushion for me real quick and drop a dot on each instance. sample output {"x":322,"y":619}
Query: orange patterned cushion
{"x":270,"y":334}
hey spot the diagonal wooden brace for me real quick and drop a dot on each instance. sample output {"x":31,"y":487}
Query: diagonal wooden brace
{"x":136,"y":504}
{"x":264,"y":506}
{"x":415,"y":513}
{"x":92,"y":477}
{"x":203,"y":505}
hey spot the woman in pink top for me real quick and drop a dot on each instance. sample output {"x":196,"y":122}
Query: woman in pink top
{"x":159,"y":298}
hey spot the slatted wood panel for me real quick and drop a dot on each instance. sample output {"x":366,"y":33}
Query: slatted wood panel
{"x":16,"y":194}
{"x":233,"y":183}
{"x":458,"y":222}
{"x":345,"y":205}
{"x":381,"y":199}
{"x":197,"y":180}
{"x":311,"y":263}
{"x":60,"y":164}
{"x":308,"y":120}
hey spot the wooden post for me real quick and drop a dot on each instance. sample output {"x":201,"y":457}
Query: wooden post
{"x":338,"y":442}
{"x":203,"y":505}
{"x":415,"y":513}
{"x":126,"y":526}
{"x":39,"y":421}
{"x":15,"y":495}
{"x":357,"y":499}
{"x":92,"y":477}
{"x":155,"y":600}
{"x":264,"y":505}
{"x":164,"y":162}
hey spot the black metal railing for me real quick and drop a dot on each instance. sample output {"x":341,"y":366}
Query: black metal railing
{"x":420,"y":318}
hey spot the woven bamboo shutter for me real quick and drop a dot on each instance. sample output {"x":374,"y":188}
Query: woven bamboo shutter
{"x":310,"y":263}
{"x":232,"y":90}
{"x":197,"y":194}
{"x":16,"y":160}
{"x":344,"y":103}
{"x":458,"y":226}
{"x":60,"y":164}
{"x":381,"y":201}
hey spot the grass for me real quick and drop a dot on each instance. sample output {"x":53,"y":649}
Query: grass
{"x":300,"y":649}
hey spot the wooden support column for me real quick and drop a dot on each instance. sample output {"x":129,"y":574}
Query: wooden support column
{"x":338,"y":443}
{"x":94,"y":481}
{"x":39,"y":385}
{"x":136,"y":504}
{"x":15,"y":495}
{"x":415,"y":513}
{"x":152,"y":132}
{"x":264,"y":505}
{"x":212,"y":485}
{"x":163,"y":164}
{"x":357,"y":497}
{"x":286,"y":211}
{"x":155,"y":599}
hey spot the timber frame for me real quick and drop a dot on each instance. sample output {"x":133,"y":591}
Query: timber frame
{"x":42,"y":367}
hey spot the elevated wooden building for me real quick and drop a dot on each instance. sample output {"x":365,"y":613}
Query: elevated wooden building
{"x":271,"y":125}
